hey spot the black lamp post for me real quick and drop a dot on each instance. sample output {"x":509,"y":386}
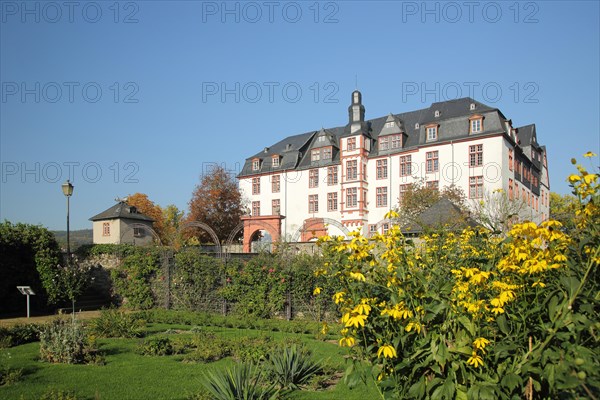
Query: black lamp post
{"x":67,"y":189}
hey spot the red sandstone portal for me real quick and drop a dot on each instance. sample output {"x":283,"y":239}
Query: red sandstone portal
{"x":269,"y":223}
{"x":313,"y":228}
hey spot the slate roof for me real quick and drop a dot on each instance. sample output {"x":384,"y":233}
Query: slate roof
{"x":452,"y":120}
{"x":442,"y":214}
{"x":527,"y":135}
{"x":121,"y":210}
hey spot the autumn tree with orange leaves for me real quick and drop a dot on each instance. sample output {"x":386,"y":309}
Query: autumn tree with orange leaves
{"x":147,"y":207}
{"x":217,"y":202}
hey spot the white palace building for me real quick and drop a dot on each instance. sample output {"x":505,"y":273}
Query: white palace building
{"x":333,"y":180}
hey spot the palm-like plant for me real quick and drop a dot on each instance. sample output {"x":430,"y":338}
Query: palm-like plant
{"x":241,"y":382}
{"x":292,"y":368}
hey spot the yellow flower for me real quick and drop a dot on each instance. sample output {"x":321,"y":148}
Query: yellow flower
{"x":574,"y":178}
{"x":498,"y":310}
{"x":589,"y":154}
{"x":347,"y":341}
{"x":480,"y":343}
{"x":324,"y":328}
{"x":317,"y":291}
{"x":388,"y":351}
{"x":413,"y":326}
{"x":338,"y":297}
{"x":362,"y":309}
{"x":391,"y":214}
{"x":355,"y":320}
{"x":589,"y":178}
{"x":475,"y":360}
{"x":538,"y":283}
{"x":358,"y":276}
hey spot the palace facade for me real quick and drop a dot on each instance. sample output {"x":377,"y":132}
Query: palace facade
{"x":337,"y":179}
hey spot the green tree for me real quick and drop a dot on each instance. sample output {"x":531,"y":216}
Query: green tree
{"x":30,"y":256}
{"x":419,"y":197}
{"x":562,"y":209}
{"x":172,"y":218}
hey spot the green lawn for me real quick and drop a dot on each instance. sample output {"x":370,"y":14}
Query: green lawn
{"x":128,"y":375}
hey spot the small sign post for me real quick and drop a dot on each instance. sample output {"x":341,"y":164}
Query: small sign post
{"x":27,"y":291}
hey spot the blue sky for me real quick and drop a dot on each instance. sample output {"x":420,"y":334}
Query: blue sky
{"x":143,"y":96}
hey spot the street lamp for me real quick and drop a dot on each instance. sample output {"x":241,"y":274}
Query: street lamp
{"x":67,"y":189}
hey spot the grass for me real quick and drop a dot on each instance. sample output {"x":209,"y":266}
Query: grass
{"x":129,"y":375}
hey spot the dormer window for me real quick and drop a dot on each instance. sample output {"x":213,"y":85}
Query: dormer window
{"x":472,"y":106}
{"x":437,"y":113}
{"x":389,"y":124}
{"x":275,"y":161}
{"x":390,"y":142}
{"x":315,"y":155}
{"x":327,"y":153}
{"x":256,"y":164}
{"x":476,"y":124}
{"x":417,"y":125}
{"x":432,"y":132}
{"x":384,"y":143}
{"x":321,"y":139}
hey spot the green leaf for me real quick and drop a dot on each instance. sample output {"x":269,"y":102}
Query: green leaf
{"x":511,"y":381}
{"x":571,"y":284}
{"x":461,"y":392}
{"x":445,"y":391}
{"x":503,"y":324}
{"x":467,"y":324}
{"x":417,"y":390}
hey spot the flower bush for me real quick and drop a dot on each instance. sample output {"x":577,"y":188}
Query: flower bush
{"x":468,"y":315}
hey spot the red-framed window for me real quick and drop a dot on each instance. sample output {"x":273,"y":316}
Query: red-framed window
{"x":313,"y":178}
{"x":351,"y":197}
{"x":276,"y":183}
{"x":476,"y":155}
{"x":476,"y":187}
{"x":255,"y":185}
{"x":351,"y":170}
{"x":382,"y":169}
{"x":256,"y":208}
{"x":432,"y":161}
{"x":382,"y":196}
{"x":332,"y":175}
{"x":313,"y":203}
{"x":332,"y":201}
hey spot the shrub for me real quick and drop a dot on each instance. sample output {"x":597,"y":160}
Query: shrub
{"x":30,"y":254}
{"x":290,"y":367}
{"x":113,"y":323}
{"x":239,"y":382}
{"x":253,"y":350}
{"x":63,"y":341}
{"x":208,"y":347}
{"x":19,"y":334}
{"x":156,"y":346}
